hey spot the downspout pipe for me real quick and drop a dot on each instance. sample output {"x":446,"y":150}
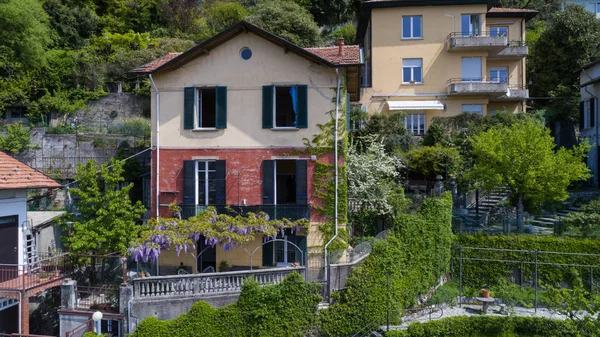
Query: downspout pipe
{"x":335,"y":154}
{"x":157,"y":146}
{"x":595,"y":120}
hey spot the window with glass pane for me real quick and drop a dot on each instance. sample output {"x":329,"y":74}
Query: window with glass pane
{"x":598,"y":10}
{"x":499,"y":74}
{"x":415,"y":123}
{"x":499,"y":31}
{"x":412,"y":27}
{"x":206,"y":191}
{"x":470,"y":24}
{"x":472,"y":108}
{"x":412,"y":71}
{"x":587,"y":107}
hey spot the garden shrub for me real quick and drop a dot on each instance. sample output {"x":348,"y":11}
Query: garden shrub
{"x":412,"y":259}
{"x":285,"y":309}
{"x":136,"y":127}
{"x":496,"y":326}
{"x":478,"y":273}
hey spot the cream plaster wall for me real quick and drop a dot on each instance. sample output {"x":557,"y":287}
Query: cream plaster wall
{"x":269,"y":64}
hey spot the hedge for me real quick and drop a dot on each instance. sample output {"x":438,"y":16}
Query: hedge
{"x":496,"y":326}
{"x":478,"y":273}
{"x":285,"y":309}
{"x":412,"y":259}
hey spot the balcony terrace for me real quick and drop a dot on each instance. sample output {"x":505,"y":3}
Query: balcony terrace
{"x":483,"y":41}
{"x":514,"y":51}
{"x":477,"y":86}
{"x":515,"y":93}
{"x":47,"y":272}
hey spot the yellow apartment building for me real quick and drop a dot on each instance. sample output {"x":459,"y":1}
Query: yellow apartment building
{"x":432,"y":58}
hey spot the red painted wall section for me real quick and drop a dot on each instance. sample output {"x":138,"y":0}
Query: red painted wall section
{"x":243,"y":174}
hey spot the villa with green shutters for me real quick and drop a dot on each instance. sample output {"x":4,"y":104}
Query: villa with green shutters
{"x":229,"y":119}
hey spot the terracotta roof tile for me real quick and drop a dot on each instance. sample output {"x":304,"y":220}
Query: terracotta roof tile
{"x":332,"y":54}
{"x":16,"y":175}
{"x":154,"y":64}
{"x":510,"y":10}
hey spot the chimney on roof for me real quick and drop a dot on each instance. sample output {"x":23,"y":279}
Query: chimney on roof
{"x":341,"y":46}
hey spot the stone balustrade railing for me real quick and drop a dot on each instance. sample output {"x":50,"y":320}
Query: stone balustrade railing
{"x":206,"y":284}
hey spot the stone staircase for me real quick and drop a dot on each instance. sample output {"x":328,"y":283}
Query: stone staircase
{"x":549,"y":221}
{"x":487,"y":202}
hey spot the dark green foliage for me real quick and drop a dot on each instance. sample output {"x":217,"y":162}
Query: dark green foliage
{"x":476,"y":326}
{"x":431,"y":161}
{"x":586,"y":220}
{"x":412,"y":260}
{"x":285,"y":309}
{"x":71,"y":23}
{"x":477,"y":273}
{"x":390,"y":129}
{"x":17,"y":139}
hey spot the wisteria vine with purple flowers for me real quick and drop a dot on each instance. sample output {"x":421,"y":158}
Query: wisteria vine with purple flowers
{"x":228,"y":231}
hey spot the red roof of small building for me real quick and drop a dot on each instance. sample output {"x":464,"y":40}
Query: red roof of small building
{"x":351,"y":54}
{"x":16,"y":175}
{"x":154,"y":64}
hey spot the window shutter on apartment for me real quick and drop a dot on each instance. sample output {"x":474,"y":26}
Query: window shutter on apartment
{"x":581,"y":113}
{"x":189,"y":182}
{"x":189,"y":97}
{"x":221,"y":107}
{"x":301,"y":182}
{"x":220,"y":186}
{"x":267,"y":256}
{"x":267,"y":102}
{"x":592,"y":112}
{"x":301,"y":243}
{"x":348,"y":112}
{"x":302,"y":121}
{"x":268,"y":182}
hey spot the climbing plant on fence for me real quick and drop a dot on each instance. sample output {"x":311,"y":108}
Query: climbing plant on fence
{"x":477,"y":273}
{"x":406,"y":264}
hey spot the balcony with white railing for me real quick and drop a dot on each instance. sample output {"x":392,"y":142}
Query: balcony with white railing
{"x":481,"y":41}
{"x":477,"y":86}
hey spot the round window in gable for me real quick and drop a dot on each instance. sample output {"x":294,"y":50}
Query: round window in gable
{"x":246,"y":53}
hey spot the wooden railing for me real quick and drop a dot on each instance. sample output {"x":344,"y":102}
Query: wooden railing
{"x":206,"y":284}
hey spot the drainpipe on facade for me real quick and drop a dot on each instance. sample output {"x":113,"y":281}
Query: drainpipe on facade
{"x":157,"y":155}
{"x":595,"y":121}
{"x":335,"y":154}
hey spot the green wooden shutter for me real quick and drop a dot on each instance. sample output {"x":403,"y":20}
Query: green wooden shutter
{"x":302,"y":121}
{"x":189,"y":189}
{"x":220,"y":187}
{"x":189,"y":100}
{"x":592,"y":112}
{"x":221,"y":107}
{"x":301,"y":243}
{"x":267,"y":117}
{"x":267,"y":254}
{"x":581,"y":113}
{"x":301,"y":182}
{"x":268,"y":182}
{"x":348,"y":112}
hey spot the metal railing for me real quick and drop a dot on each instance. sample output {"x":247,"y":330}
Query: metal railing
{"x":479,"y":34}
{"x":105,"y":298}
{"x":46,"y":270}
{"x":205,"y":284}
{"x":275,"y":212}
{"x":482,"y":80}
{"x":21,"y":335}
{"x":81,"y":329}
{"x":517,"y":43}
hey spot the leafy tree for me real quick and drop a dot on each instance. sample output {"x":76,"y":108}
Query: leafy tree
{"x":182,"y":17}
{"x":390,"y":129}
{"x":288,"y":20}
{"x":71,"y":23}
{"x":17,"y":139}
{"x":24,"y":30}
{"x":347,"y":31}
{"x":522,"y":158}
{"x":329,"y":12}
{"x":106,"y":222}
{"x":431,"y":161}
{"x":569,"y":42}
{"x":222,"y":14}
{"x":436,"y":134}
{"x":571,"y":301}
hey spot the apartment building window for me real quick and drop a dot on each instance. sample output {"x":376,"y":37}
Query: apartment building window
{"x":415,"y":123}
{"x":204,"y":183}
{"x":499,"y":74}
{"x":366,"y":75}
{"x":499,"y":31}
{"x":285,"y":106}
{"x":206,"y":193}
{"x":470,"y":24}
{"x":412,"y":27}
{"x":205,"y":108}
{"x":588,"y":114}
{"x":412,"y":71}
{"x":472,"y":108}
{"x":598,"y":10}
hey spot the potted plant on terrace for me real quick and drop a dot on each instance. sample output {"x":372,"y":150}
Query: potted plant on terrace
{"x":485,"y":291}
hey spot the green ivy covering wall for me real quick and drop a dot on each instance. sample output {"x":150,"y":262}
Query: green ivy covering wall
{"x":494,"y":326}
{"x":285,"y":309}
{"x":411,"y":260}
{"x":478,"y":273}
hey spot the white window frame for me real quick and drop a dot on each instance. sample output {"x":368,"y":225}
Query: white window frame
{"x":412,"y":70}
{"x":198,"y":119}
{"x":498,"y":28}
{"x":465,"y":109}
{"x":415,"y":123}
{"x":498,"y":70}
{"x":412,"y":33}
{"x":206,"y":180}
{"x":597,"y":5}
{"x":275,"y":107}
{"x":587,"y":113}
